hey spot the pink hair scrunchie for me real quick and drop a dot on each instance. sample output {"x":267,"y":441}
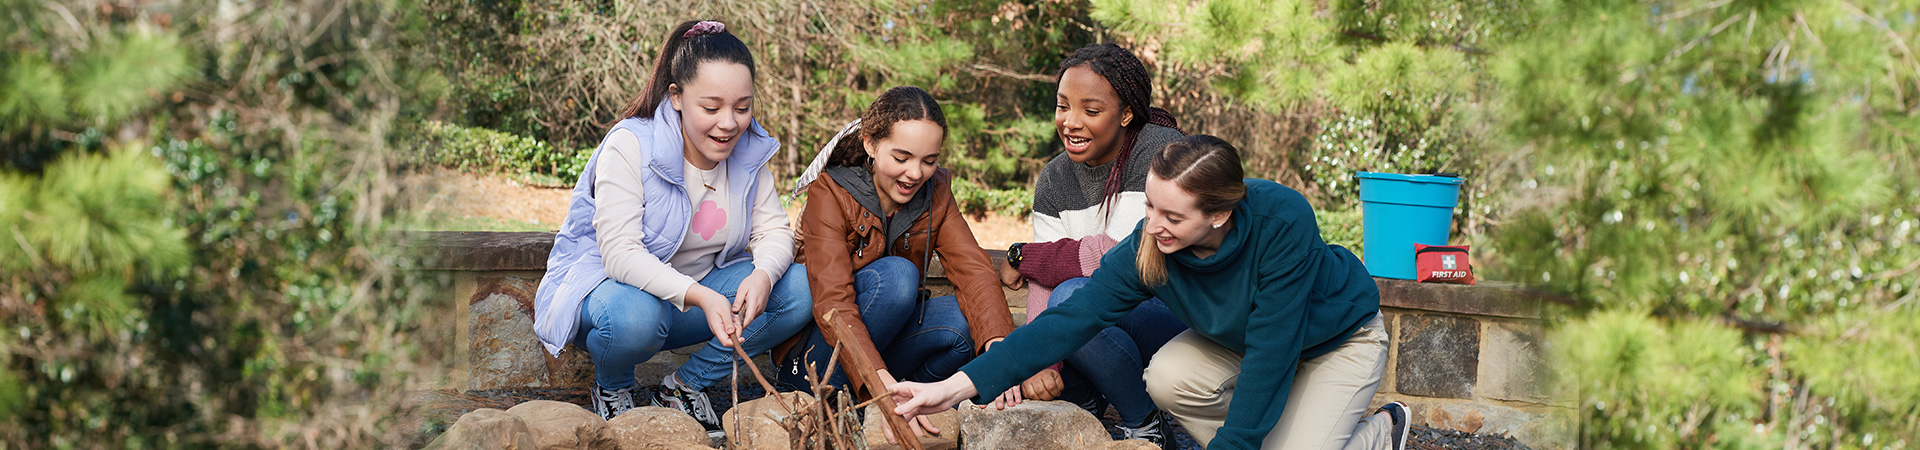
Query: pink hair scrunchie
{"x":706,"y":27}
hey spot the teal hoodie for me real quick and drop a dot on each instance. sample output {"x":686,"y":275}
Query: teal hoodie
{"x":1274,"y":292}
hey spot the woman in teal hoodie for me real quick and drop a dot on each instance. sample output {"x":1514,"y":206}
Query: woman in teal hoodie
{"x":1241,"y":262}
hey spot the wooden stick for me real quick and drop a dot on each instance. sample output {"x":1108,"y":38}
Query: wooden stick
{"x":857,"y":365}
{"x":755,"y":369}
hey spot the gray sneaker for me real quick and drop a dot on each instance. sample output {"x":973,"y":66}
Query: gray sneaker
{"x":610,"y":403}
{"x":1157,"y":429}
{"x":694,"y":403}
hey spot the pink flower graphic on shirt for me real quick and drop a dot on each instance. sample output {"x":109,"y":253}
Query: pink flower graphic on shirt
{"x":709,"y":220}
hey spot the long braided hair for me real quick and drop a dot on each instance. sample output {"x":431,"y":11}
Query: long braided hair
{"x":1134,"y":86}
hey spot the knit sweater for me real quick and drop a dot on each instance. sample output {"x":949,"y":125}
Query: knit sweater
{"x":1071,"y":225}
{"x":1275,"y":292}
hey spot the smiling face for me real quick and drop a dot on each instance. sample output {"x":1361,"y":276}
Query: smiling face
{"x":716,"y":108}
{"x":1174,"y":222}
{"x":904,"y":160}
{"x":1089,"y":116}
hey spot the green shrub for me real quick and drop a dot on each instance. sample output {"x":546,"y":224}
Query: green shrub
{"x":484,"y":150}
{"x":976,"y":199}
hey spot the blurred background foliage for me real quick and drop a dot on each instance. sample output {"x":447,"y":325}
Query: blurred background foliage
{"x":1719,"y":193}
{"x":1731,"y":184}
{"x":189,"y":201}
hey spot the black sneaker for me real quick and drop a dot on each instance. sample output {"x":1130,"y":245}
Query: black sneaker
{"x":1096,"y":405}
{"x":1157,"y":429}
{"x":610,"y":403}
{"x":1398,"y":412}
{"x":694,"y":403}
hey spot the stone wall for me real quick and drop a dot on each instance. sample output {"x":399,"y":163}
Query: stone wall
{"x":1469,"y":358}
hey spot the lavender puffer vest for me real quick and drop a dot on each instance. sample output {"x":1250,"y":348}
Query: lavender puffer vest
{"x":574,"y":266}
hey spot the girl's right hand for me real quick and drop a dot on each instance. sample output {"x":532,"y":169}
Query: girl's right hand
{"x":719,"y":312}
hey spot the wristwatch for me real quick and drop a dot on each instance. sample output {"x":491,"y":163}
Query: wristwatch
{"x":1013,"y":255}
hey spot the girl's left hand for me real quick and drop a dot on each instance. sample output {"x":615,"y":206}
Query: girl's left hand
{"x":1011,"y":278}
{"x":750,"y":299}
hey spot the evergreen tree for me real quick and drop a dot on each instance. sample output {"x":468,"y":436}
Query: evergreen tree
{"x":186,"y":205}
{"x":1730,"y":184}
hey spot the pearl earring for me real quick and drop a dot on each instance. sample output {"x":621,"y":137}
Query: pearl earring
{"x":1217,"y":226}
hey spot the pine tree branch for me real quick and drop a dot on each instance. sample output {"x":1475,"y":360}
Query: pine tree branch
{"x":1696,"y":41}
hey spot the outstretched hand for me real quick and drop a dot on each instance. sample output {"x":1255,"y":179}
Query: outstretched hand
{"x":921,"y":425}
{"x":915,"y":399}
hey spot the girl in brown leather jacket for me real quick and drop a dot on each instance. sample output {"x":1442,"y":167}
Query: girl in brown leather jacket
{"x":876,"y":198}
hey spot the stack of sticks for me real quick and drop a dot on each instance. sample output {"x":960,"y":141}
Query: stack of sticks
{"x":832,"y":421}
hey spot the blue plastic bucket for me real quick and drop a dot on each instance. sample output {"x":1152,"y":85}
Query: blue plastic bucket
{"x":1400,"y":210}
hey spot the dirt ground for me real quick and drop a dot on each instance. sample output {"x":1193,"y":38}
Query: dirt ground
{"x":457,"y":200}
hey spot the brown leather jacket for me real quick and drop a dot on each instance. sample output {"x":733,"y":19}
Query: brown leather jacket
{"x":841,"y":233}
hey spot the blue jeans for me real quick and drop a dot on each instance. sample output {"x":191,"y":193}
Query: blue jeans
{"x":919,"y":341}
{"x":622,"y":326}
{"x":1113,"y":363}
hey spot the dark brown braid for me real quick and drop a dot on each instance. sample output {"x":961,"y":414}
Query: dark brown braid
{"x":1134,"y":86}
{"x":895,"y":105}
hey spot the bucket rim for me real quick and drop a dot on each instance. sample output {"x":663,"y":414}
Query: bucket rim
{"x":1434,"y":179}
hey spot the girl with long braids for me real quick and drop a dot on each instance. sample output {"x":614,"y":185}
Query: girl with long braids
{"x":1086,"y":200}
{"x":878,"y":206}
{"x":674,"y":235}
{"x":1286,"y":348}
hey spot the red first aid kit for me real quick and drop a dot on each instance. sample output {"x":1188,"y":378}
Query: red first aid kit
{"x":1442,"y":264}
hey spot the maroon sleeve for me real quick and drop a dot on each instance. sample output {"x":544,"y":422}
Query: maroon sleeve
{"x":1050,"y":263}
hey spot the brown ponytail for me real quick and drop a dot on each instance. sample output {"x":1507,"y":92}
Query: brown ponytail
{"x":679,"y":61}
{"x":1202,"y":165}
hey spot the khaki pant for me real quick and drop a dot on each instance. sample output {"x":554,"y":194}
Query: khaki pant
{"x":1193,"y":379}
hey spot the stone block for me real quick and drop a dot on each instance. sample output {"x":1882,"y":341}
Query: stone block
{"x":1513,"y":363}
{"x":573,"y":369}
{"x":1438,"y":356}
{"x":502,"y":348}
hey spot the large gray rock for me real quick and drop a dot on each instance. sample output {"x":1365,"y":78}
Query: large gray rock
{"x":502,"y":349}
{"x":656,"y":428}
{"x":1050,"y":425}
{"x":564,"y":426}
{"x":486,"y":429}
{"x":948,"y":422}
{"x":756,"y":423}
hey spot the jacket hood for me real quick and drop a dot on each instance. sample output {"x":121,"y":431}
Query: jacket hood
{"x":859,"y":183}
